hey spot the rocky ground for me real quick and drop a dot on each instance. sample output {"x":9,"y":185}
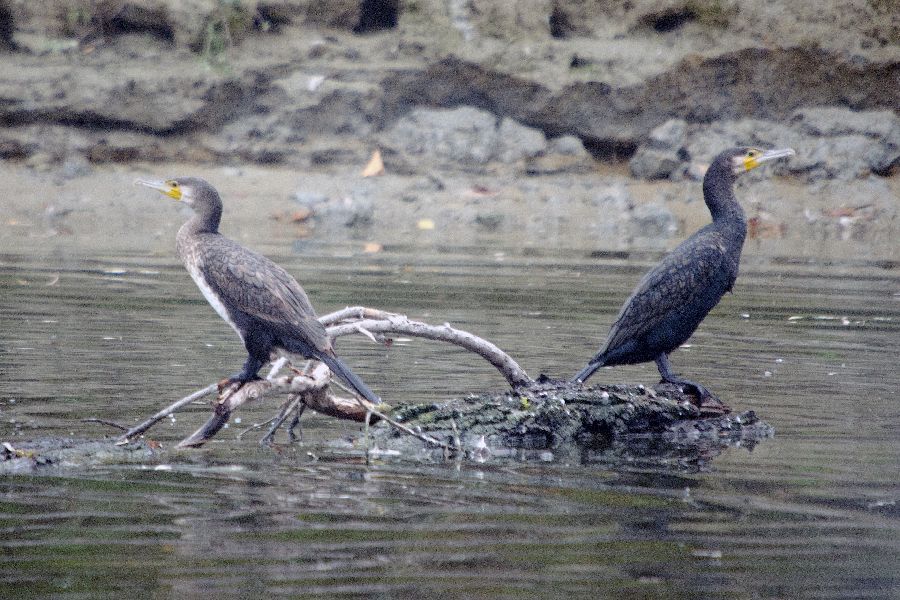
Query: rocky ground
{"x":449,"y":88}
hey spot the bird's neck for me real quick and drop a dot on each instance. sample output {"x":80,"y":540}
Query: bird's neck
{"x":718,"y":192}
{"x":726,"y":211}
{"x":206,"y":221}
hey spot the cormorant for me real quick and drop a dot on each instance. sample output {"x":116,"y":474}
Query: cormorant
{"x":672,"y":299}
{"x":265,"y":305}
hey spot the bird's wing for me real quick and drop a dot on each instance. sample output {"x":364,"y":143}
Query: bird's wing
{"x":695,"y":274}
{"x":260,"y":288}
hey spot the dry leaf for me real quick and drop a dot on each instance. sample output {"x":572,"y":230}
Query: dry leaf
{"x":764,"y":226}
{"x":375,"y":166}
{"x":481,"y":191}
{"x":301,"y":215}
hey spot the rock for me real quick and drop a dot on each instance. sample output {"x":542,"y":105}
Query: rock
{"x":653,"y":220}
{"x":880,"y":126}
{"x":831,"y":143}
{"x":840,"y":157}
{"x":663,"y":155}
{"x":611,"y":204}
{"x":517,"y":142}
{"x":310,"y":200}
{"x":489,"y":221}
{"x":341,"y":112}
{"x":75,"y":166}
{"x":500,"y":19}
{"x":612,"y":199}
{"x":340,"y":14}
{"x":41,"y":161}
{"x":568,"y":145}
{"x":356,"y":209}
{"x":465,"y":135}
{"x":653,"y":163}
{"x":671,"y":135}
{"x":697,"y":90}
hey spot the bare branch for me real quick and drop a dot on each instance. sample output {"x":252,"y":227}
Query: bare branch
{"x":352,"y":313}
{"x":312,"y":386}
{"x":139,"y":429}
{"x":105,"y":422}
{"x":360,"y":319}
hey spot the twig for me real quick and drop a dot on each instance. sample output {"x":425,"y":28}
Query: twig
{"x":135,"y":431}
{"x":287,"y":408}
{"x":397,"y":425}
{"x":105,"y":422}
{"x":294,"y":422}
{"x":250,"y":428}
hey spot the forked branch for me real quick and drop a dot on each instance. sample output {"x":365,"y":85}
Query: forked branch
{"x":312,"y":386}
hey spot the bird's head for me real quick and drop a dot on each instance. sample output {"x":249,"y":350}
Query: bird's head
{"x":196,"y":193}
{"x":190,"y":190}
{"x":741,"y":160}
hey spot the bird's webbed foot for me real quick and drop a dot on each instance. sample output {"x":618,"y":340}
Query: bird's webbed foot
{"x":705,"y":400}
{"x":708,"y":403}
{"x":238,"y":380}
{"x":247,"y":373}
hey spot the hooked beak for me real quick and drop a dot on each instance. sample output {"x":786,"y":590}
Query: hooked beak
{"x":767,"y":156}
{"x":161,"y":186}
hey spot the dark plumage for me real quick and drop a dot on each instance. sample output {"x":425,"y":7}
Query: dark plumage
{"x":265,"y":305}
{"x":672,"y":299}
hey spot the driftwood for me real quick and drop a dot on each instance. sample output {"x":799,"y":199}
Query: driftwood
{"x":310,"y":388}
{"x":370,"y":322}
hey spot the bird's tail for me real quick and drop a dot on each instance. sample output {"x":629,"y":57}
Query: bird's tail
{"x":589,"y":370}
{"x":343,"y":371}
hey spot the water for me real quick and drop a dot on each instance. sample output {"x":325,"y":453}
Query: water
{"x":809,"y":345}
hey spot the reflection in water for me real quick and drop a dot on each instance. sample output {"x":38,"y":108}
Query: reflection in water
{"x":810,"y":513}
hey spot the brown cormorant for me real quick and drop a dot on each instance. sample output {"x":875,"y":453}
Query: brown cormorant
{"x":672,"y":299}
{"x":265,"y":305}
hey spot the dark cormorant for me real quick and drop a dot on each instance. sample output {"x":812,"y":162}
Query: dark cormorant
{"x":265,"y":305}
{"x":672,"y":299}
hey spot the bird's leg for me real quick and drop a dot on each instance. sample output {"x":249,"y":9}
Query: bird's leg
{"x":665,"y":369}
{"x":294,"y":437}
{"x":248,"y":373}
{"x":258,"y":343}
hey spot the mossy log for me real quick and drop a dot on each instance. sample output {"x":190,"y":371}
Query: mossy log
{"x":562,"y":418}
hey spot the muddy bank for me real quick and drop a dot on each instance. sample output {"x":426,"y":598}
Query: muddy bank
{"x":303,"y":84}
{"x":515,"y":117}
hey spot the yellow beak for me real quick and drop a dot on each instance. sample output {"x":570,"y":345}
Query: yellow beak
{"x":752,"y":162}
{"x":161,"y":186}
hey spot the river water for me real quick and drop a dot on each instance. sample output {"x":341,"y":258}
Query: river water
{"x":810,"y":344}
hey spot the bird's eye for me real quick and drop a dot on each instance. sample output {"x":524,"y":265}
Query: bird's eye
{"x":751,"y":153}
